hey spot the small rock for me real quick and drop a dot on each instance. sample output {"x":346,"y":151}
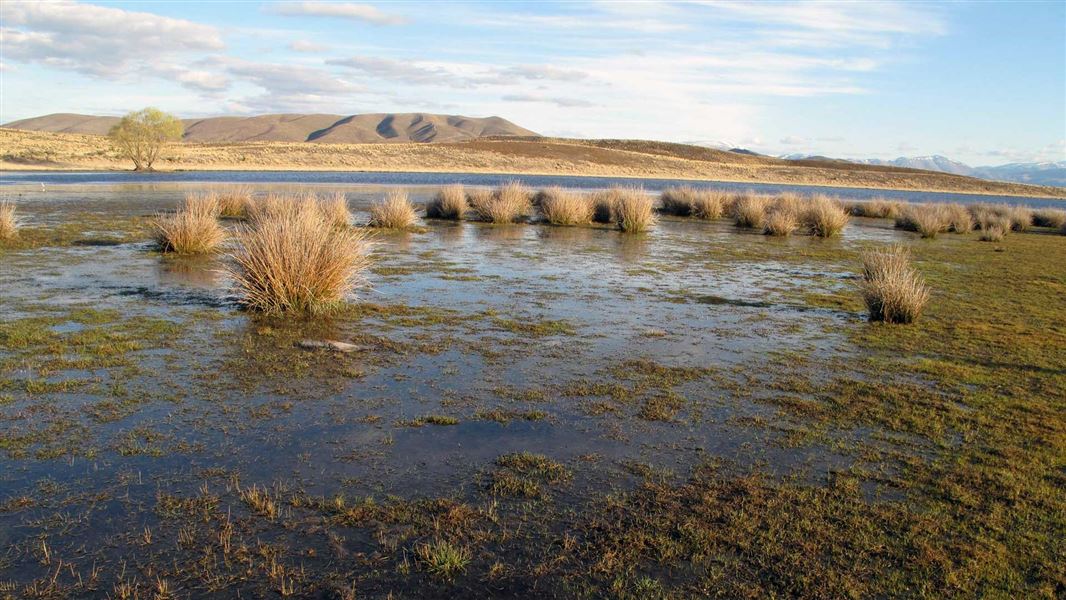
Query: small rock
{"x":329,"y":344}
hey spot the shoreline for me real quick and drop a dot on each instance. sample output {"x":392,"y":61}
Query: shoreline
{"x":4,"y":166}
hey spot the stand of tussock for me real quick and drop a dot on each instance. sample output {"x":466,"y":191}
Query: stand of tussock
{"x":394,"y":212}
{"x":335,"y":210}
{"x":506,"y":204}
{"x":633,"y":210}
{"x":193,"y":228}
{"x":709,"y":204}
{"x":877,"y":208}
{"x":296,"y":261}
{"x":679,"y":201}
{"x":892,"y":290}
{"x":9,"y":223}
{"x":926,"y":219}
{"x":824,"y":216}
{"x":448,"y":203}
{"x":958,"y":217}
{"x":749,"y":210}
{"x":561,"y":207}
{"x":780,"y":222}
{"x":234,"y":201}
{"x":993,"y":233}
{"x":1049,"y":217}
{"x":603,"y":205}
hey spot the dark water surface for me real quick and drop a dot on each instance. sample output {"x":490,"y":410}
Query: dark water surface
{"x":35,"y":178}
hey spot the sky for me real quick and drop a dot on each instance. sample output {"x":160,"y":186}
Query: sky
{"x":980,"y":82}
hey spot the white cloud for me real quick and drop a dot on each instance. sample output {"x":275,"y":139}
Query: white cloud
{"x":558,"y":101}
{"x":341,"y":10}
{"x":306,"y":46}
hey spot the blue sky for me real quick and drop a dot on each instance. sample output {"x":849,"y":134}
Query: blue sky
{"x":984,"y":82}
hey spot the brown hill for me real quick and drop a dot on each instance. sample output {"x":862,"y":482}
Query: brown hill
{"x":363,"y":129}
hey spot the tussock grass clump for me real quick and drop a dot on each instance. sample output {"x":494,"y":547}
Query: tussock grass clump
{"x":394,"y":212}
{"x":780,"y":222}
{"x":193,"y":228}
{"x":507,"y":203}
{"x":892,"y":290}
{"x":958,"y":217}
{"x":749,"y":210}
{"x":926,"y":219}
{"x":709,"y":204}
{"x":9,"y":223}
{"x":295,"y":261}
{"x":679,"y":201}
{"x":825,"y":216}
{"x":449,"y":203}
{"x":334,"y":209}
{"x":994,"y":232}
{"x":561,"y":207}
{"x":234,"y":202}
{"x":443,"y":559}
{"x":877,"y":208}
{"x":1049,"y":217}
{"x":603,"y":205}
{"x":634,"y":211}
{"x":1021,"y":217}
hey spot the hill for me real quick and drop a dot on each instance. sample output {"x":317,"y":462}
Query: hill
{"x":340,"y":129}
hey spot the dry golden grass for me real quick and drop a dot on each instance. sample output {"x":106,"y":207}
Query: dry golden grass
{"x":710,"y":204}
{"x":448,"y":203}
{"x":994,"y":232}
{"x":1049,"y":217}
{"x":892,"y":290}
{"x":634,"y":211}
{"x":603,"y":205}
{"x":825,"y":216}
{"x":507,"y":203}
{"x":679,"y":201}
{"x":335,"y":210}
{"x":394,"y":212}
{"x":958,"y":217}
{"x":780,"y":222}
{"x":295,"y":261}
{"x":561,"y":207}
{"x":234,"y":201}
{"x":193,"y":228}
{"x":926,"y":219}
{"x":1021,"y":217}
{"x":749,"y":210}
{"x":9,"y":224}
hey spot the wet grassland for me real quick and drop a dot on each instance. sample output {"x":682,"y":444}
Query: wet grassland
{"x":530,"y":410}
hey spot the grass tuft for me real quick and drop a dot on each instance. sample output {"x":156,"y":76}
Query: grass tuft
{"x":780,"y":222}
{"x":561,"y":207}
{"x":334,"y":209}
{"x":233,"y":202}
{"x":749,"y":210}
{"x":878,"y":208}
{"x":9,"y":223}
{"x":926,"y":219}
{"x":633,"y":210}
{"x":1054,"y":218}
{"x":709,"y":204}
{"x":603,"y":205}
{"x":893,"y":291}
{"x":448,"y":203}
{"x":825,"y":216}
{"x":443,"y":559}
{"x":293,"y":260}
{"x":394,"y":212}
{"x":506,"y":204}
{"x":193,"y":228}
{"x":678,"y":201}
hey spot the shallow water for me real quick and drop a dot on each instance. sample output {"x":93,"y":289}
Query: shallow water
{"x":468,"y":320}
{"x":32,"y":180}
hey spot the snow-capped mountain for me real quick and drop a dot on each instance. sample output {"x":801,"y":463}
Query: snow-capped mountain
{"x":1042,"y":173}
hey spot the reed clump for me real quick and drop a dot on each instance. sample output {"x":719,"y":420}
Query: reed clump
{"x":9,"y":222}
{"x":561,"y":207}
{"x":506,"y":204}
{"x":193,"y":228}
{"x":233,"y":202}
{"x":894,"y":292}
{"x":749,"y":210}
{"x":824,"y":216}
{"x":449,"y":203}
{"x":633,"y":210}
{"x":296,"y":261}
{"x":395,"y":211}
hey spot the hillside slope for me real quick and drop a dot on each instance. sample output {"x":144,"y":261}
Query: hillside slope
{"x":322,"y":128}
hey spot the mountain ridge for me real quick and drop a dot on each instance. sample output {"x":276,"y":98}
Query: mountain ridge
{"x":300,"y":127}
{"x":1051,"y":173}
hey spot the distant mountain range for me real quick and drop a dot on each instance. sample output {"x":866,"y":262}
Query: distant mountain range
{"x":350,"y":129}
{"x":1036,"y":173}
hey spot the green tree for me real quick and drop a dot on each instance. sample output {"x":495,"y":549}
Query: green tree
{"x":141,"y":136}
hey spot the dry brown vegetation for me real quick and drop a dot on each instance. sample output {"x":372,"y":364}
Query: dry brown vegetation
{"x":825,"y":216}
{"x":36,"y":150}
{"x":1049,"y":217}
{"x":878,"y":208}
{"x":335,"y":210}
{"x":506,"y":204}
{"x":449,"y":203}
{"x":634,"y":211}
{"x":9,"y":225}
{"x":926,"y":219}
{"x":749,"y":210}
{"x":562,"y":207}
{"x":893,"y":291}
{"x":234,"y":201}
{"x":293,"y":259}
{"x":395,"y":211}
{"x":193,"y":228}
{"x":780,"y":222}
